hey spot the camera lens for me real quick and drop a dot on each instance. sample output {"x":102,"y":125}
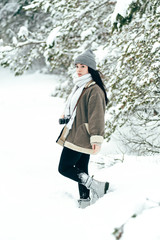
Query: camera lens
{"x":61,"y":121}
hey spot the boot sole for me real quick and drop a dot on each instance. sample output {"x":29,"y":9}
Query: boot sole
{"x":83,"y":204}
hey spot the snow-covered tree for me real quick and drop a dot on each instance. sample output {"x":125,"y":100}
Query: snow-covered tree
{"x":135,"y":83}
{"x":21,"y":35}
{"x":125,"y":38}
{"x":68,"y":27}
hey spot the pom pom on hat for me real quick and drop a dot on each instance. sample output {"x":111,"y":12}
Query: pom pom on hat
{"x":87,"y":58}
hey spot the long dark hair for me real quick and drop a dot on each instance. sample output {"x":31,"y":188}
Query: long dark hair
{"x":97,"y":78}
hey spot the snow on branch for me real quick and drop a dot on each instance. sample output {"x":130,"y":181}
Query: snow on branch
{"x":90,"y":9}
{"x":52,"y":36}
{"x":118,"y":232}
{"x":19,"y":45}
{"x":120,"y":8}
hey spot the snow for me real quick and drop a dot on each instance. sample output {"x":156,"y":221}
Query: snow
{"x":87,"y":33}
{"x":121,"y":8}
{"x":15,"y":41}
{"x":158,"y":9}
{"x":36,"y":202}
{"x":52,"y":36}
{"x":101,"y":53}
{"x":1,"y":42}
{"x":8,"y":8}
{"x":155,"y":46}
{"x":6,"y":48}
{"x":23,"y":32}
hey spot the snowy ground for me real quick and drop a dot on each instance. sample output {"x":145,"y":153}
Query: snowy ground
{"x":37,"y":203}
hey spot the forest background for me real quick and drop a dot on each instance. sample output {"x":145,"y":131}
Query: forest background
{"x":47,"y":35}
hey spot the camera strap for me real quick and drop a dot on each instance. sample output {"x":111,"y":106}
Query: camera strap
{"x":82,"y":93}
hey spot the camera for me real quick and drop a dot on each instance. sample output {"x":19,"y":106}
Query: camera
{"x":64,"y":120}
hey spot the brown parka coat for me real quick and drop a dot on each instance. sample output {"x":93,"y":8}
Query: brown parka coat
{"x":88,"y":125}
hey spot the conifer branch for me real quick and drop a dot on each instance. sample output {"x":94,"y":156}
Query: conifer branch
{"x":19,"y":45}
{"x":118,"y":232}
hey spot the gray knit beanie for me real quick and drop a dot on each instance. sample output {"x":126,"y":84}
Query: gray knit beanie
{"x":87,"y":58}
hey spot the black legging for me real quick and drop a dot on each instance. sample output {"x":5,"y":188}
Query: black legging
{"x":71,"y":164}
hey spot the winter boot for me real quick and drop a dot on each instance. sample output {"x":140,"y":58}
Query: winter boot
{"x":83,"y":203}
{"x":97,"y":188}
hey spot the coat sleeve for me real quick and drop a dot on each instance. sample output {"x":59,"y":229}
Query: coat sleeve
{"x":96,"y":113}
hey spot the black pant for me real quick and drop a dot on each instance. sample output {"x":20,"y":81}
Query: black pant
{"x":71,"y":164}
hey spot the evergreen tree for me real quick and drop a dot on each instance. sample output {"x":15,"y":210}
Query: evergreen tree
{"x":126,"y":45}
{"x":21,"y":35}
{"x":63,"y":29}
{"x":134,"y":85}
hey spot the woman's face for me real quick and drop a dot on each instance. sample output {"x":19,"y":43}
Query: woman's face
{"x":81,"y":69}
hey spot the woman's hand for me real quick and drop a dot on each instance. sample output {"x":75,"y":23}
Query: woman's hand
{"x":96,"y":148}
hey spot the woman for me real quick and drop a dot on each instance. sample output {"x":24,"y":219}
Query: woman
{"x":83,"y":134}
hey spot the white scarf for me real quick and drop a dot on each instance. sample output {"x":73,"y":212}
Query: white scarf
{"x":70,"y":108}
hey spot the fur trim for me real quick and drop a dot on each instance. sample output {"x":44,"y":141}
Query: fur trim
{"x":79,"y":149}
{"x":96,"y":139}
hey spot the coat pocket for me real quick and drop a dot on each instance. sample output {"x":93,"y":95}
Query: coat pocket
{"x":82,"y":137}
